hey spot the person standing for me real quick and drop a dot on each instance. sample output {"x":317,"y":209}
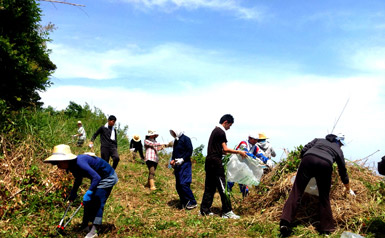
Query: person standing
{"x":181,"y":155}
{"x":81,"y":135}
{"x":215,"y":172}
{"x":152,"y":147}
{"x":108,"y":141}
{"x":103,"y":178}
{"x":137,"y":146}
{"x":317,"y":158}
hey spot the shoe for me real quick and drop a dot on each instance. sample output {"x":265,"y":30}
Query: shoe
{"x":191,"y":206}
{"x":206,"y":214}
{"x":91,"y":235}
{"x":231,"y":215}
{"x":285,"y":231}
{"x":152,"y":184}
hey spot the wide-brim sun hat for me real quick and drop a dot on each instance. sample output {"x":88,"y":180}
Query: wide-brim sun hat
{"x":136,"y":138}
{"x":262,"y":136}
{"x":79,"y":122}
{"x":152,"y":133}
{"x":60,"y":153}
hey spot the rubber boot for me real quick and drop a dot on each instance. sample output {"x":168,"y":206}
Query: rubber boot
{"x":152,"y":184}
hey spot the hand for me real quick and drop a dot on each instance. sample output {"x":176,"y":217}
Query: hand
{"x":87,"y":196}
{"x":270,"y":163}
{"x":242,"y":153}
{"x":179,"y":161}
{"x":91,"y":144}
{"x":351,"y":192}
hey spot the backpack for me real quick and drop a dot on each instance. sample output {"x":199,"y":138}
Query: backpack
{"x":381,"y":166}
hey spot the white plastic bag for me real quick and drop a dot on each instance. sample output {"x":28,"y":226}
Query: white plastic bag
{"x":347,"y":234}
{"x":311,"y":187}
{"x":246,"y":171}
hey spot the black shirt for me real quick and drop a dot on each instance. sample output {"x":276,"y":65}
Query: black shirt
{"x":215,"y":150}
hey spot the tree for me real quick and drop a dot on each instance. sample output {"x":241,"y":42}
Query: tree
{"x":25,"y":66}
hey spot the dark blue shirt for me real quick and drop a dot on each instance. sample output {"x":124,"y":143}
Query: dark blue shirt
{"x":90,"y":167}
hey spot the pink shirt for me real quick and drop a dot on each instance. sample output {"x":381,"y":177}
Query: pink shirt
{"x":152,"y":147}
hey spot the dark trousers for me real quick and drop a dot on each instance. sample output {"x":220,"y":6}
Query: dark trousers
{"x":183,"y":179}
{"x":93,"y":211}
{"x":151,"y":165}
{"x":107,"y":152}
{"x":312,"y":166}
{"x":215,"y":180}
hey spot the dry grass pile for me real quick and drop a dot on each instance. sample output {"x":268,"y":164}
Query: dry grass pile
{"x":350,"y":212}
{"x":22,"y":174}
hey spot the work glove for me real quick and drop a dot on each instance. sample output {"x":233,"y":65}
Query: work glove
{"x":351,"y":192}
{"x":270,"y":163}
{"x":251,"y":155}
{"x":87,"y":196}
{"x":179,"y":161}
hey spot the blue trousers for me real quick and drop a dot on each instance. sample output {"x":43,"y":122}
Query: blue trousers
{"x":243,"y":188}
{"x":183,"y":179}
{"x":93,"y":211}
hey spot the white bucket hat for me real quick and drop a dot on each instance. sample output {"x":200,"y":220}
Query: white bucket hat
{"x":152,"y":133}
{"x":60,"y":153}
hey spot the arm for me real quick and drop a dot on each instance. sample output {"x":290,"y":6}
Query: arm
{"x":75,"y":187}
{"x":96,"y":134}
{"x":95,"y":177}
{"x":231,"y":151}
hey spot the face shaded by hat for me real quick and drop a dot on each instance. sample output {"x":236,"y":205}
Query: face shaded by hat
{"x":60,"y":153}
{"x":136,"y":138}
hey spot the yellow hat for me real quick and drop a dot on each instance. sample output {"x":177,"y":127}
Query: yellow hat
{"x":60,"y":153}
{"x":136,"y":138}
{"x":262,"y":136}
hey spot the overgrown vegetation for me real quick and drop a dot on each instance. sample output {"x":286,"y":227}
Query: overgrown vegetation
{"x":32,"y":194}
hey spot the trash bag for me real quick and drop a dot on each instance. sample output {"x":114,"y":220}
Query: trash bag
{"x":347,"y":234}
{"x":381,"y":166}
{"x":311,"y":187}
{"x":246,"y":171}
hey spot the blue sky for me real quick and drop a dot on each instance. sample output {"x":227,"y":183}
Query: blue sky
{"x":286,"y":68}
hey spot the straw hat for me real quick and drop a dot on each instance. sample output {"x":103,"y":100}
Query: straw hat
{"x":262,"y":136}
{"x":136,"y":138}
{"x":79,"y":122}
{"x":152,"y":133}
{"x":60,"y":153}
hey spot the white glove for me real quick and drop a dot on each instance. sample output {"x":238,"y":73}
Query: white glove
{"x":351,"y":192}
{"x":179,"y":161}
{"x":270,"y":163}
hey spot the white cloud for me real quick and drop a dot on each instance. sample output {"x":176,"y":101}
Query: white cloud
{"x":217,"y":5}
{"x":369,"y":59}
{"x":291,"y":113}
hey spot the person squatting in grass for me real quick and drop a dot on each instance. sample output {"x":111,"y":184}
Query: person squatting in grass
{"x":152,"y":147}
{"x":137,"y":146}
{"x":103,"y":178}
{"x":317,"y":158}
{"x":215,"y":172}
{"x":181,"y":161}
{"x":108,"y":141}
{"x":253,"y":151}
